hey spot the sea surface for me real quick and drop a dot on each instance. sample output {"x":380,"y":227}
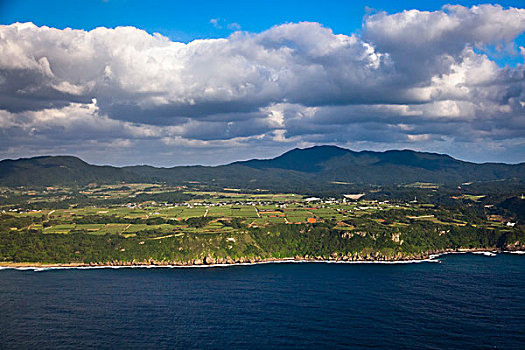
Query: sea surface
{"x":465,"y":302}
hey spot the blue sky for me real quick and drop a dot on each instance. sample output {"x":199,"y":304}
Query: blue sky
{"x":191,"y":18}
{"x":371,"y":75}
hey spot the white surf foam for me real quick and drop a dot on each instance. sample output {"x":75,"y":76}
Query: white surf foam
{"x":491,"y":254}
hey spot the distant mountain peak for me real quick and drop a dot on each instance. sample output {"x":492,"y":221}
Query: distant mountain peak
{"x":306,"y":160}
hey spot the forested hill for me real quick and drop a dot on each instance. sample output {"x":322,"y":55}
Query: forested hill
{"x":59,"y":170}
{"x":312,"y":167}
{"x":333,"y":163}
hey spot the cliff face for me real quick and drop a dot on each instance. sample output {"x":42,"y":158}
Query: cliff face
{"x":377,"y":257}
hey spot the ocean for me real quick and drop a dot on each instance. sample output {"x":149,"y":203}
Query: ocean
{"x":465,"y":302}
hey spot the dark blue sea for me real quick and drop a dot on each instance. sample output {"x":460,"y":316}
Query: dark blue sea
{"x":465,"y":302}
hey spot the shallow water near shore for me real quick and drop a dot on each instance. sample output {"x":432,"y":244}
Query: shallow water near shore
{"x":467,"y":301}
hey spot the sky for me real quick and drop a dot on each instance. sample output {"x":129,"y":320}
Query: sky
{"x":170,"y":83}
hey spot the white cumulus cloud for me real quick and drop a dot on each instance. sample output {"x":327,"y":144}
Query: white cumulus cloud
{"x":411,"y":79}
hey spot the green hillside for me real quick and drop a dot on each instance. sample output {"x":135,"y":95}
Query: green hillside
{"x":60,"y":170}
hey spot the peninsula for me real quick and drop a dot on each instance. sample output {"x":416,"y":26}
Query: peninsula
{"x":61,"y":211}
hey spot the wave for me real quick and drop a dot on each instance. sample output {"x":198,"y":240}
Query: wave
{"x":437,"y":255}
{"x":520,"y":252}
{"x":374,"y":262}
{"x":485,"y":252}
{"x":491,"y":254}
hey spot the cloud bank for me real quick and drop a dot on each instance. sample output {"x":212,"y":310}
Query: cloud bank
{"x":414,"y":79}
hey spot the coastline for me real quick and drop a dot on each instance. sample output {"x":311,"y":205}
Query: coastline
{"x":201,"y":263}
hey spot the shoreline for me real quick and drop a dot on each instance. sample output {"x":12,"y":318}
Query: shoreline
{"x":39,"y":267}
{"x":429,"y":257}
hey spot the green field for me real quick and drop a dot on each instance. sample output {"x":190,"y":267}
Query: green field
{"x":137,"y":209}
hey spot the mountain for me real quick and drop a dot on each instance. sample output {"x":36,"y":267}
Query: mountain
{"x":331,"y":163}
{"x":306,"y":160}
{"x":59,"y":170}
{"x":316,"y":167}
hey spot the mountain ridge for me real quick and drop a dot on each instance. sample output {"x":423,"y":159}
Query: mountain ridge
{"x":294,"y":168}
